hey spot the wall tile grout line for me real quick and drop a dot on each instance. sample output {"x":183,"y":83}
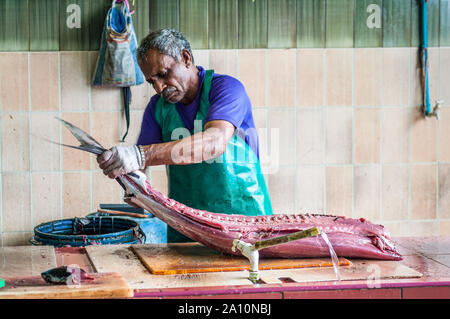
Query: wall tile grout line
{"x":342,"y":164}
{"x":324,"y":127}
{"x":438,"y":145}
{"x":410,"y":145}
{"x":382,"y":137}
{"x":61,"y":187}
{"x":303,"y":107}
{"x":353,"y":134}
{"x":268,"y":136}
{"x":30,"y":146}
{"x":380,"y":147}
{"x":1,"y":199}
{"x":53,"y":111}
{"x":2,"y":203}
{"x":91,"y":177}
{"x":156,"y":168}
{"x":296,"y":181}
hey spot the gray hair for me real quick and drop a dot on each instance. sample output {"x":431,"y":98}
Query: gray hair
{"x":167,"y":41}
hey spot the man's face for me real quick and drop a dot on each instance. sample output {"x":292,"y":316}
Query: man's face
{"x":169,"y":78}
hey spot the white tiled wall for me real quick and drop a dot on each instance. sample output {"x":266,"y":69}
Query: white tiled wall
{"x":351,"y":140}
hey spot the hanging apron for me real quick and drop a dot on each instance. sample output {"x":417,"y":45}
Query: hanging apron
{"x":232,"y":183}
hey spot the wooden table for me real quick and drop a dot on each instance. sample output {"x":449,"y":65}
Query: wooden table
{"x":428,"y":255}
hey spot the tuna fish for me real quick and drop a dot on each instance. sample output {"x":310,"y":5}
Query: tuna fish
{"x":357,"y":238}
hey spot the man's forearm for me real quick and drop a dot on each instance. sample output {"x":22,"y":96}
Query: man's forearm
{"x":209,"y":144}
{"x":199,"y":147}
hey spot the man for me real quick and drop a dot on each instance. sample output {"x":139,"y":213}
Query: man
{"x":214,"y":166}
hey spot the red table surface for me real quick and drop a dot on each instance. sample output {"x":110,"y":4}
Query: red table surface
{"x":427,"y":255}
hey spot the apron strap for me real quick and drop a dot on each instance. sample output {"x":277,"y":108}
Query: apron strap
{"x":126,"y":105}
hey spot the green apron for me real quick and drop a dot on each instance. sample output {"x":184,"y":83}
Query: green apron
{"x":230,"y":184}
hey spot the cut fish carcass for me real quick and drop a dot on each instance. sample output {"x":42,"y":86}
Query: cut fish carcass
{"x":357,"y":238}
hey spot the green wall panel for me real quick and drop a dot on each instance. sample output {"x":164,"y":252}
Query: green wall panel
{"x":222,"y":24}
{"x":368,"y":23}
{"x":339,"y":23}
{"x":444,"y":31}
{"x":311,"y":23}
{"x":44,"y":25}
{"x":74,"y":25}
{"x":397,"y":23}
{"x":194,"y":22}
{"x":282,"y":25}
{"x":416,"y":23}
{"x":98,"y":11}
{"x":433,"y":23}
{"x":141,"y":17}
{"x":252,"y":24}
{"x":164,"y":14}
{"x":14,"y":25}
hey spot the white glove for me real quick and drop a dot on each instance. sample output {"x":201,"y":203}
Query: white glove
{"x":121,"y":160}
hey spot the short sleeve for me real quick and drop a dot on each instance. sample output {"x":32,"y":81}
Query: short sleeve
{"x":150,"y":130}
{"x":229,"y":101}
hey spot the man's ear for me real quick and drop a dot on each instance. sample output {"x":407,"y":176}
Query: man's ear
{"x":186,"y":58}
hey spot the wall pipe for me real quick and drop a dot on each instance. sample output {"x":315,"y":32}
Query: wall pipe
{"x":425,"y":64}
{"x":426,"y":101}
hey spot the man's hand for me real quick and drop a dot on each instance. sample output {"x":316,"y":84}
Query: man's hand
{"x":120,"y":160}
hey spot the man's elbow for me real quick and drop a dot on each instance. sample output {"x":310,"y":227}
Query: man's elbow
{"x":221,"y":150}
{"x":215,"y":150}
{"x":215,"y":141}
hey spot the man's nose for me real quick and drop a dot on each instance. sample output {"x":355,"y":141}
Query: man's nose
{"x":159,"y":86}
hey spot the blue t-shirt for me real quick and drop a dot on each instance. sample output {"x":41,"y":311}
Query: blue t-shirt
{"x":228,"y":101}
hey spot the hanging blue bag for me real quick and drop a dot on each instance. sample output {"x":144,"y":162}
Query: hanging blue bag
{"x":117,"y":62}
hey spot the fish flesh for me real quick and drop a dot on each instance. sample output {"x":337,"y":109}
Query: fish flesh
{"x":354,"y":238}
{"x":66,"y":275}
{"x":357,"y":238}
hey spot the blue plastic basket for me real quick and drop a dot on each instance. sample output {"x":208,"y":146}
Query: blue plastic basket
{"x":101,"y":230}
{"x":155,"y":230}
